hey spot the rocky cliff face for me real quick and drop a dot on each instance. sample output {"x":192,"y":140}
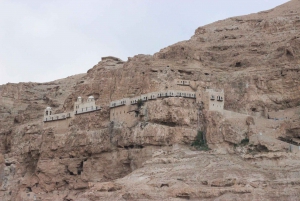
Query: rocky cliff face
{"x":254,"y":58}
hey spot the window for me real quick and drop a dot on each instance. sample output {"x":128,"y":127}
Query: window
{"x":46,"y":112}
{"x":50,"y":112}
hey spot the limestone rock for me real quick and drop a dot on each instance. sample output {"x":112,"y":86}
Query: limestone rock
{"x":253,"y":142}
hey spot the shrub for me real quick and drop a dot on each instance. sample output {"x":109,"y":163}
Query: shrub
{"x":140,"y":103}
{"x":244,"y":141}
{"x":199,"y":142}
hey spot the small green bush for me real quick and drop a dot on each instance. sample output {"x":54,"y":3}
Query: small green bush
{"x":140,"y":103}
{"x":199,"y":142}
{"x":244,"y":141}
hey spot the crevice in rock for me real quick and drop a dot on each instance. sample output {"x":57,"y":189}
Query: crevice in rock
{"x":288,"y":140}
{"x":80,"y":168}
{"x":164,"y":123}
{"x":69,"y":172}
{"x":136,"y":146}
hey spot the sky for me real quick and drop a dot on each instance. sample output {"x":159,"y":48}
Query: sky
{"x":42,"y":41}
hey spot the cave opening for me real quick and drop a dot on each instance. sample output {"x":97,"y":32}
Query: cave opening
{"x":28,"y":189}
{"x":289,"y":53}
{"x":238,"y":64}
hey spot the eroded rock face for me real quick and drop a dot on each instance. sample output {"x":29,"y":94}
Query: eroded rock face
{"x":254,"y":58}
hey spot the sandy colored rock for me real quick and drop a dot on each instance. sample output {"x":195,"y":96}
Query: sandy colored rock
{"x":253,"y":142}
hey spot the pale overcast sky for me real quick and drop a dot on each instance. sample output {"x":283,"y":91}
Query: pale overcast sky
{"x":42,"y":41}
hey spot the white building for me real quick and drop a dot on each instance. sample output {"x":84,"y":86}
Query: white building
{"x":49,"y":116}
{"x":83,"y":107}
{"x":216,"y":99}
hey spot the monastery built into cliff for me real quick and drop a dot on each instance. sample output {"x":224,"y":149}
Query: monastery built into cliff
{"x":80,"y":107}
{"x":126,"y":109}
